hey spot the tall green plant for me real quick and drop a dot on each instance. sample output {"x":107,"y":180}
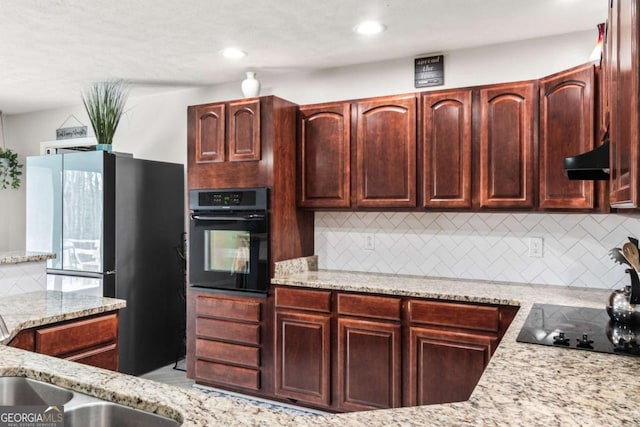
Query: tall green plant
{"x":104,"y":103}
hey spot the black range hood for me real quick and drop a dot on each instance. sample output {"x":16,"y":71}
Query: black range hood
{"x":592,"y":165}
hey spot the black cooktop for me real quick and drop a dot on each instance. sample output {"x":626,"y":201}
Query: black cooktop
{"x":579,"y":328}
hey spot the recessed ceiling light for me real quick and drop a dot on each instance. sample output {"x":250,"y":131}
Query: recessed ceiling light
{"x":233,"y":53}
{"x":369,"y":28}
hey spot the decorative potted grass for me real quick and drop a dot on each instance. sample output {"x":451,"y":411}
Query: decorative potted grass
{"x":104,"y":102}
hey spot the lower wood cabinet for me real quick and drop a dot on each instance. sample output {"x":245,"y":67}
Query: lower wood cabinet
{"x":91,"y":340}
{"x":369,"y":365}
{"x":445,"y":366}
{"x":227,"y":340}
{"x":368,"y":352}
{"x":303,"y":345}
{"x":302,"y":357}
{"x":342,"y":351}
{"x":352,"y":352}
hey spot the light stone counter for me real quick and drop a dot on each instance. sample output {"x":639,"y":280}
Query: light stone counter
{"x":524,"y":384}
{"x":16,"y":257}
{"x":29,"y":310}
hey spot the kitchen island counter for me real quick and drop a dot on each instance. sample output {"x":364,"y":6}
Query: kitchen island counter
{"x":17,"y":257}
{"x":33,"y":309}
{"x":524,"y":384}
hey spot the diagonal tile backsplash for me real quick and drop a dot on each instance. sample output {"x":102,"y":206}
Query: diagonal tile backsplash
{"x":23,"y":277}
{"x":484,"y":246}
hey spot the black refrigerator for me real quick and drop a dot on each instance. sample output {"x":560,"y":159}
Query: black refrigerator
{"x":116,"y":224}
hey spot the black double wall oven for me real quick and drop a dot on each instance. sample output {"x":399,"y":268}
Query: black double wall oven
{"x":229,"y":239}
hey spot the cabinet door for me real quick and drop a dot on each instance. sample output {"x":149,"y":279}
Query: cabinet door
{"x":386,"y":152}
{"x":324,"y":156}
{"x":507,"y":145}
{"x":624,"y":121}
{"x":244,"y":131}
{"x":369,"y":367}
{"x":445,"y":366}
{"x":303,"y":357}
{"x":208,"y":133}
{"x":566,"y":129}
{"x":447,"y":149}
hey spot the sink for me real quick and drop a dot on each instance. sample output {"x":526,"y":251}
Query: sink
{"x":106,"y":414}
{"x":24,"y":391}
{"x":80,"y":410}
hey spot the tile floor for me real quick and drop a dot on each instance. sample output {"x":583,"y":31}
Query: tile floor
{"x":175,"y":375}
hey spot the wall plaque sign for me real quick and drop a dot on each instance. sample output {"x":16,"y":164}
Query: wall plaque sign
{"x":429,"y":71}
{"x":71,"y":132}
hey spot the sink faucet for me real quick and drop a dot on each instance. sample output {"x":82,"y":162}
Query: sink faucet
{"x":4,"y":332}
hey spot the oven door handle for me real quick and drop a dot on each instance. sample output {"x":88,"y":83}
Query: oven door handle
{"x":251,"y":217}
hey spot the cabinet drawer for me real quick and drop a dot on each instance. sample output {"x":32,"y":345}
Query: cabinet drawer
{"x":303,"y":299}
{"x":74,"y":337}
{"x":104,"y":357}
{"x":228,"y":331}
{"x":218,"y":373}
{"x":226,"y":308}
{"x":369,"y":306}
{"x":468,"y":316}
{"x":228,"y":353}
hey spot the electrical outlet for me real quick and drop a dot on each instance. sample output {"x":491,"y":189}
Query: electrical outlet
{"x":369,"y":242}
{"x":536,"y":247}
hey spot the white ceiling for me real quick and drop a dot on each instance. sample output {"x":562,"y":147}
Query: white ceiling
{"x":51,"y":49}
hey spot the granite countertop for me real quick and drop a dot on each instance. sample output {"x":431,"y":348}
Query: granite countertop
{"x":15,"y":257}
{"x":524,"y":384}
{"x":32,"y":309}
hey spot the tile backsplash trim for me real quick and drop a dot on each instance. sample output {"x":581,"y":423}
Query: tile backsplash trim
{"x":483,"y":246}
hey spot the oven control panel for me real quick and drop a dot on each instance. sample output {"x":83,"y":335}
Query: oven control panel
{"x":225,"y":199}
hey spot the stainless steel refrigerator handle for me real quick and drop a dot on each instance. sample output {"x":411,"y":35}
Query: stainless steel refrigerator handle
{"x":227,"y":218}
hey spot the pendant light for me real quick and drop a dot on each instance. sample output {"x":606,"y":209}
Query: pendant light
{"x":597,"y":50}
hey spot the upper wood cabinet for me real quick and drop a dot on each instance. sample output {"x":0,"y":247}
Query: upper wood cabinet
{"x":446,"y":165}
{"x":244,"y":131}
{"x":566,"y":129}
{"x":507,"y":145}
{"x":324,"y":155}
{"x":209,"y":124}
{"x":225,"y":139}
{"x":494,"y":147}
{"x":386,"y":152}
{"x":621,"y":64}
